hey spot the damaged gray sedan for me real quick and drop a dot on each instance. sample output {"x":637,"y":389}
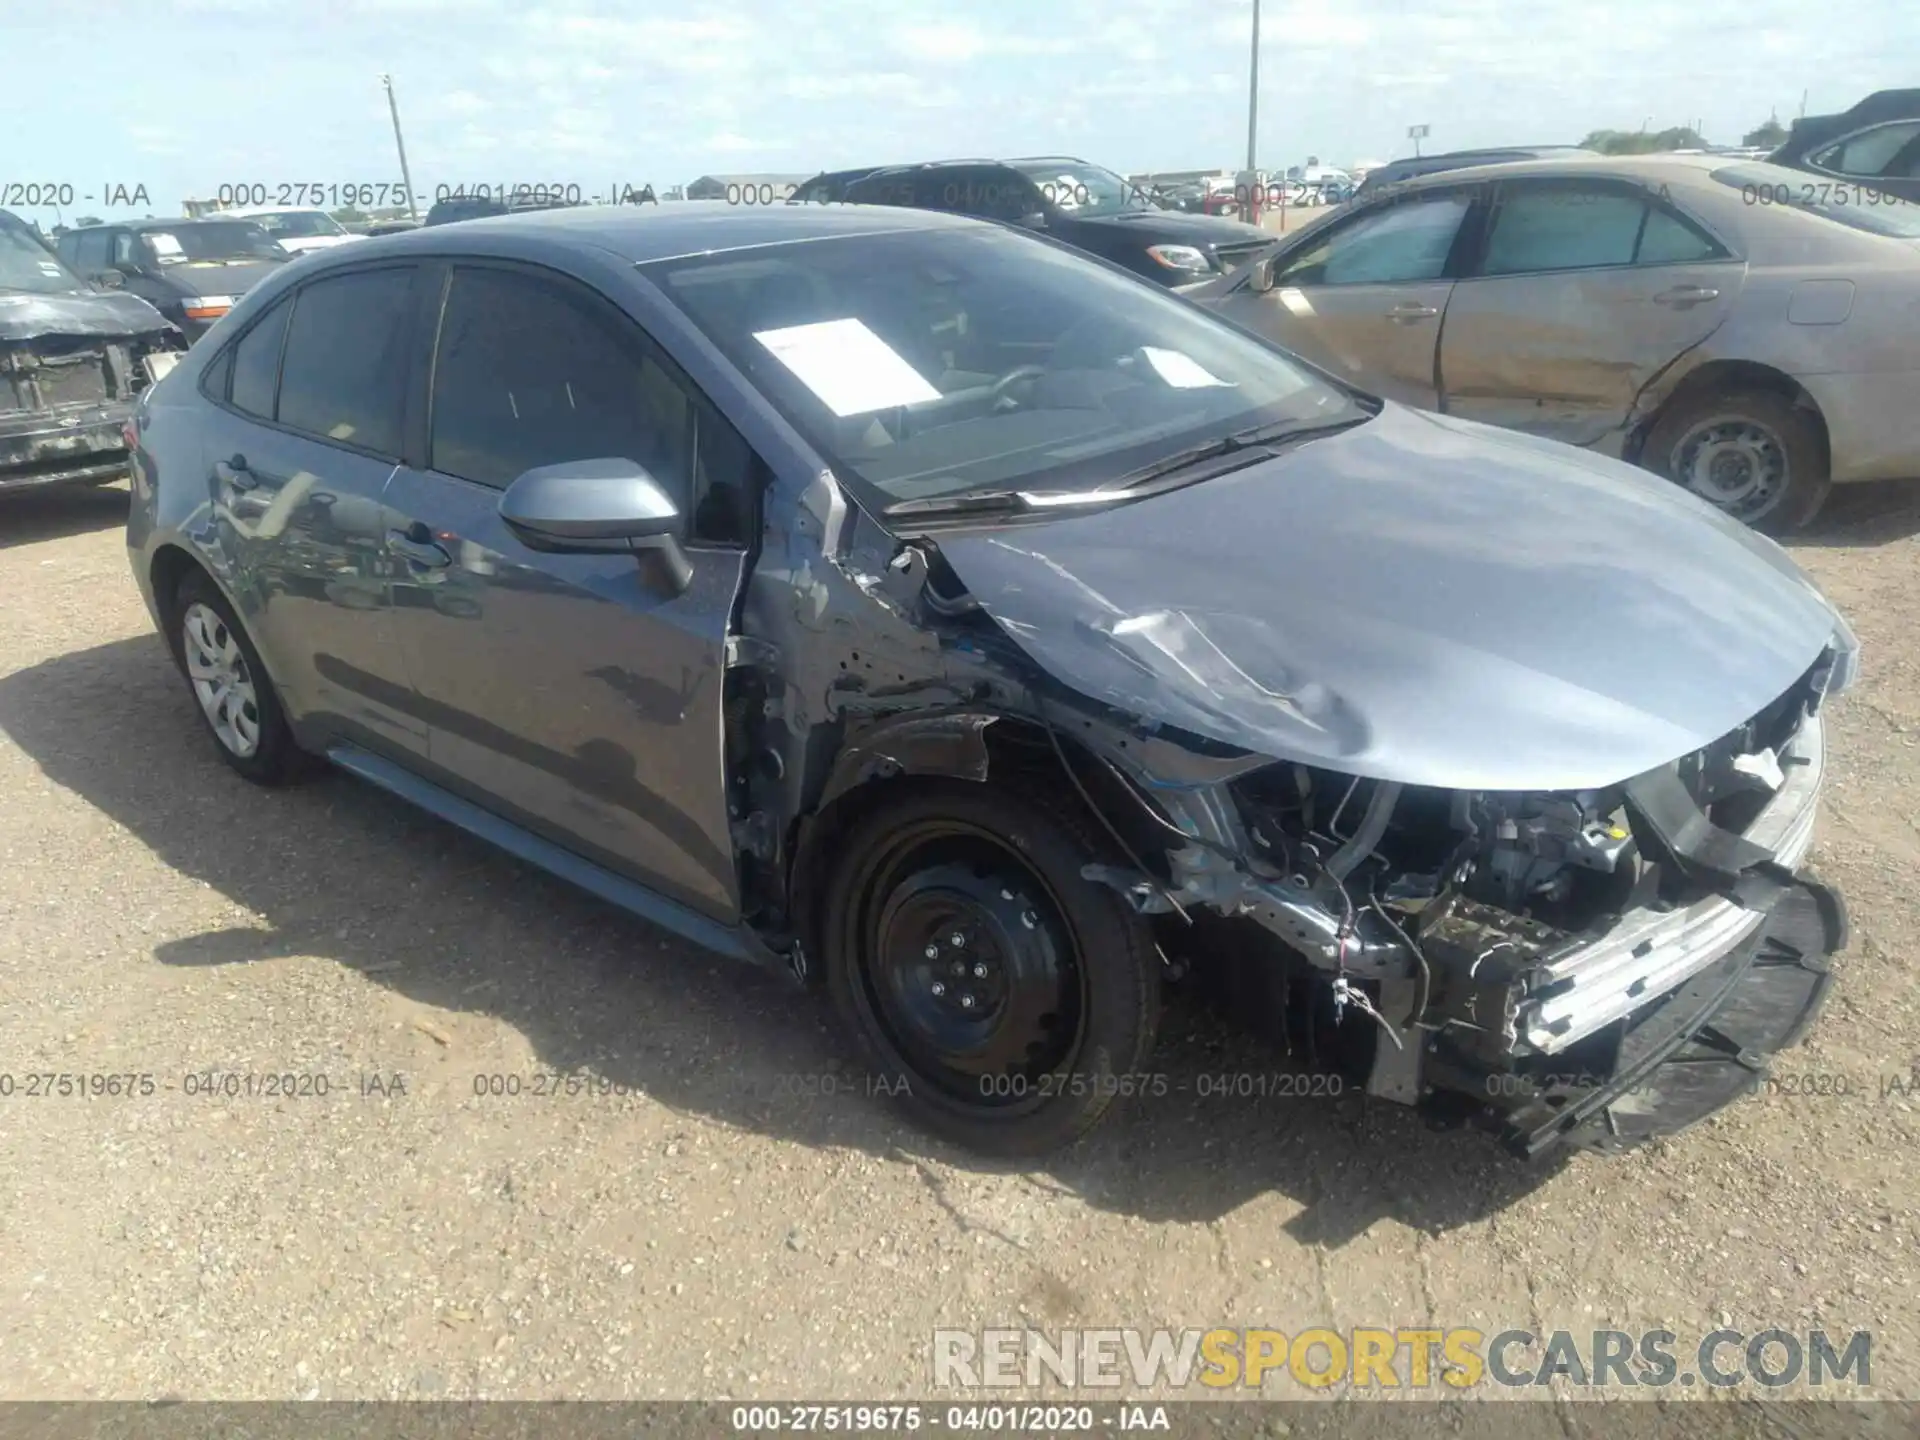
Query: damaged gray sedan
{"x":948,"y":619}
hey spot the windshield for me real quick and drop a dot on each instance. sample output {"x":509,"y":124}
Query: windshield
{"x":207,"y":240}
{"x":1845,"y":202}
{"x":1083,"y":189}
{"x":28,"y":266}
{"x":297,"y":224}
{"x":933,"y":363}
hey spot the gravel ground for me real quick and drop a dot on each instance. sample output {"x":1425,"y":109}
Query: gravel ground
{"x":723,"y":1213}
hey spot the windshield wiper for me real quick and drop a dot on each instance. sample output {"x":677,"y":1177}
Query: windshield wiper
{"x":1256,"y":444}
{"x":1249,"y":446}
{"x":994,"y":502}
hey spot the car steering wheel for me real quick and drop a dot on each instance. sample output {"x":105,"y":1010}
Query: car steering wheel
{"x":999,"y":394}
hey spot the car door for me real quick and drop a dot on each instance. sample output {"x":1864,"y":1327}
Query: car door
{"x":305,"y":429}
{"x":1880,"y":157}
{"x":576,"y":694}
{"x":1583,"y":292}
{"x":1365,"y":297}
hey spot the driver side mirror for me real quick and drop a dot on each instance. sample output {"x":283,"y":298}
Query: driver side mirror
{"x":598,"y":507}
{"x":109,"y":280}
{"x":1033,"y":220}
{"x":1260,"y":276}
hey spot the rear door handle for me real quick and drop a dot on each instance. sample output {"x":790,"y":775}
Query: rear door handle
{"x":1411,"y":310}
{"x":416,"y":546}
{"x":1685,"y":295}
{"x":234,"y":472}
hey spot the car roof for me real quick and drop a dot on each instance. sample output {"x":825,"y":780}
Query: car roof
{"x":1631,"y":167}
{"x":641,"y":233}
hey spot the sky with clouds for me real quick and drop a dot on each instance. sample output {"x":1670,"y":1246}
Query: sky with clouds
{"x":185,"y":95}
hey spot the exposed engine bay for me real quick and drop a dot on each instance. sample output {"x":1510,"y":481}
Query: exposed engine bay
{"x":1541,"y":961}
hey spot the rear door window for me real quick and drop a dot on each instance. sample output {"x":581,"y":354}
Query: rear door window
{"x":1561,"y":227}
{"x":1544,"y":226}
{"x":344,"y":374}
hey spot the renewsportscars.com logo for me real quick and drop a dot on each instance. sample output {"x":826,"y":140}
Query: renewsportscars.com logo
{"x":1392,"y":1359}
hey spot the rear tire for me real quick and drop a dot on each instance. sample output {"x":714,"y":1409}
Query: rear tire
{"x":231,"y":690}
{"x":1751,"y":453}
{"x":1002,"y":999}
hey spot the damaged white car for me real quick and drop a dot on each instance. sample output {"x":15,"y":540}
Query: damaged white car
{"x":944,"y":616}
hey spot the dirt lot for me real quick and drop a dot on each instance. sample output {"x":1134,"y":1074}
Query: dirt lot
{"x":715,"y":1224}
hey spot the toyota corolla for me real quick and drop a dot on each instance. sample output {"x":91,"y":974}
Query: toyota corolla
{"x":948,"y":619}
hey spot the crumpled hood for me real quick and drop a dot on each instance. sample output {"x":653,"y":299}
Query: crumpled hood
{"x":80,"y":312}
{"x":1419,"y":599}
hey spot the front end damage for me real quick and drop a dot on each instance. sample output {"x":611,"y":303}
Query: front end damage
{"x":1590,"y":968}
{"x":71,"y":369}
{"x":1583,"y":967}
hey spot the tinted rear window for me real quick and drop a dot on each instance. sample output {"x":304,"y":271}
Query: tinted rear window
{"x":345,"y":363}
{"x":256,"y":363}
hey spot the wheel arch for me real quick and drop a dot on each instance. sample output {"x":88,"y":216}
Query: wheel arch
{"x":1725,"y":376}
{"x":990,"y":748}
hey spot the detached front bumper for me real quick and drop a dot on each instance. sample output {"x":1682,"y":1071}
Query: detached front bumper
{"x":1672,"y":1014}
{"x":1703,"y":1045}
{"x":64,"y":447}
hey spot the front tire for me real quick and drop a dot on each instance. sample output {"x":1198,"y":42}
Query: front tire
{"x":1756,"y":455}
{"x":1001,"y":998}
{"x":231,"y":689}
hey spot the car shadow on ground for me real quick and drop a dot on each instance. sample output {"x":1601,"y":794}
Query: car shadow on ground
{"x":1872,"y":513}
{"x":57,"y":511}
{"x":336,"y":869}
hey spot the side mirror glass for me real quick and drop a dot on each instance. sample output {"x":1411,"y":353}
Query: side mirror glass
{"x":1033,"y":220}
{"x":110,"y":280}
{"x":1260,"y":275}
{"x":597,"y":506}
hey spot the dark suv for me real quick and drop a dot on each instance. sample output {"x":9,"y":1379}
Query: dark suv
{"x":191,"y":271}
{"x":1076,"y":202}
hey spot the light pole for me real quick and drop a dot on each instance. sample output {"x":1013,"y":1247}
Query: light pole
{"x":1253,"y":87}
{"x":406,"y":179}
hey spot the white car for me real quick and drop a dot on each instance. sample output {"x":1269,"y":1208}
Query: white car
{"x":297,"y":228}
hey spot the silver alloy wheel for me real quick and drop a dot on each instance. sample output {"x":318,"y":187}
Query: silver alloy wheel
{"x":221,"y":679}
{"x":1733,"y":462}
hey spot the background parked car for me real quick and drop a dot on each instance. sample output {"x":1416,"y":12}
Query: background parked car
{"x":1076,"y":202}
{"x":829,"y":187}
{"x":71,"y":361}
{"x":1876,"y":144}
{"x":297,"y":229}
{"x":191,"y":271}
{"x":1719,"y":323}
{"x":1396,"y":171}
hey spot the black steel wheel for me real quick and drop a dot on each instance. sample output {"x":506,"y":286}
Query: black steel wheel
{"x":1005,"y":1000}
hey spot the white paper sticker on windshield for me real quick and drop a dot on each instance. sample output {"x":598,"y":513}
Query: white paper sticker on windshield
{"x":163,"y":243}
{"x":849,"y":367}
{"x":1182,"y":372}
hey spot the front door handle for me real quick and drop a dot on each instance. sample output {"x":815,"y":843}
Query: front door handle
{"x":1681,"y":296}
{"x":1411,"y":310}
{"x":416,"y":546}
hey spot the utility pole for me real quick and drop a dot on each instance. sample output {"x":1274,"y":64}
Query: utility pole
{"x":1253,"y":88}
{"x":406,"y":178}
